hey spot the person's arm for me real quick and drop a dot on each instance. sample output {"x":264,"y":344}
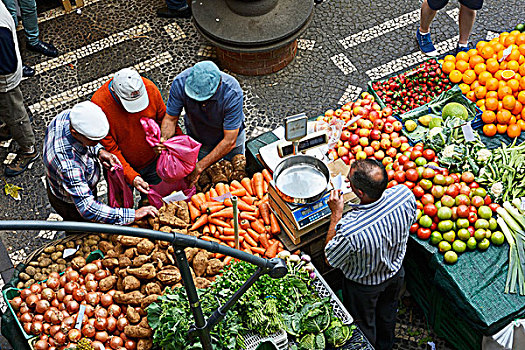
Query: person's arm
{"x":168,"y":126}
{"x":336,"y":205}
{"x":222,"y":149}
{"x":9,"y":62}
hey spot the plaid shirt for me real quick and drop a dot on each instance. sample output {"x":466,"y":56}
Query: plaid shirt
{"x":72,"y":172}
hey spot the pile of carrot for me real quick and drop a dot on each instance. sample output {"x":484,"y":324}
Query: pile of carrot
{"x":258,"y":226}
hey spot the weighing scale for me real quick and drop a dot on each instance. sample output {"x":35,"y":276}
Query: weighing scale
{"x":298,"y":220}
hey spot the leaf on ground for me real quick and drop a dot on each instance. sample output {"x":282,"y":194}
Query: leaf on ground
{"x":12,"y":190}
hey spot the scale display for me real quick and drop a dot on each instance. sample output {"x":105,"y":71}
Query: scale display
{"x":295,"y":127}
{"x":311,"y":213}
{"x":310,"y":141}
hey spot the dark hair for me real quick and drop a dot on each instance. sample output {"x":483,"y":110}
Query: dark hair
{"x":369,"y":176}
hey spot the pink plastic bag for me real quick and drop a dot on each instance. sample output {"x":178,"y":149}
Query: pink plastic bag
{"x":157,"y":192}
{"x":180,"y":157}
{"x":119,"y":193}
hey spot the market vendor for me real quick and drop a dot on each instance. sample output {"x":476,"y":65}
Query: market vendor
{"x":368,"y":244}
{"x":125,"y":99}
{"x":71,"y":150}
{"x":213,"y":102}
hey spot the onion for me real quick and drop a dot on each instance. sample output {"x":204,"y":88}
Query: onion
{"x":24,"y":293}
{"x":65,"y":314}
{"x":24,"y":308}
{"x":112,"y":292}
{"x":54,"y":329}
{"x":130,"y":345}
{"x":92,"y":298}
{"x":106,"y":300}
{"x":60,"y":338}
{"x":46,"y":328}
{"x":35,"y":288}
{"x":98,"y":263}
{"x":90,"y":311}
{"x":39,"y":318}
{"x":116,"y":342}
{"x":101,"y":336}
{"x":63,"y":280}
{"x":72,"y":276}
{"x":55,"y":303}
{"x":41,"y":345}
{"x":27,"y":327}
{"x":56,"y":317}
{"x":37,"y":327}
{"x":61,"y":294}
{"x":81,"y":281}
{"x":48,"y":314}
{"x":79,"y":294}
{"x":27,"y":317}
{"x":70,"y":287}
{"x":42,"y":306}
{"x":101,"y":323}
{"x":101,"y":312}
{"x":88,"y":331}
{"x":72,"y":306}
{"x":89,"y":277}
{"x":100,"y":274}
{"x":51,"y":347}
{"x":91,"y":321}
{"x":122,"y":323}
{"x":53,"y":283}
{"x":114,"y":310}
{"x":89,"y":268}
{"x":54,"y":275}
{"x":31,"y":300}
{"x":96,"y":345}
{"x":67,"y":324}
{"x":74,"y":335}
{"x":15,"y":303}
{"x":112,"y":324}
{"x":92,"y":286}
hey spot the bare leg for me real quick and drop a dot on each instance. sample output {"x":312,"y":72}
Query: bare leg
{"x":466,"y":22}
{"x":427,"y":15}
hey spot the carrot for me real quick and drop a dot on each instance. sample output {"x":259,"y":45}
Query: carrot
{"x":215,"y":209}
{"x":248,"y":239}
{"x":225,"y":213}
{"x":209,"y":239}
{"x":267,"y":176}
{"x":228,"y":238}
{"x":244,"y":206}
{"x":248,"y":200}
{"x":244,"y":224}
{"x":196,"y":200}
{"x":213,"y":228}
{"x":253,"y":234}
{"x":247,"y":216}
{"x":265,"y":187}
{"x":258,"y":250}
{"x":231,"y":244}
{"x":220,"y":229}
{"x":194,"y":212}
{"x":258,"y":227}
{"x":248,"y":250}
{"x":239,"y":192}
{"x":247,"y":184}
{"x":201,"y":221}
{"x":226,"y":188}
{"x":213,"y":193}
{"x":220,"y":189}
{"x":271,"y":252}
{"x":219,"y":222}
{"x":265,"y":198}
{"x":257,"y":212}
{"x":219,"y":256}
{"x":201,"y":196}
{"x":205,"y":205}
{"x":228,"y":231}
{"x":216,"y":234}
{"x":275,"y":229}
{"x":206,"y":230}
{"x":265,"y":212}
{"x":264,"y":241}
{"x":228,"y":260}
{"x":235,"y":185}
{"x":207,"y":196}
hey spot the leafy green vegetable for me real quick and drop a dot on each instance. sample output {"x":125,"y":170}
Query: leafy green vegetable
{"x":338,"y":333}
{"x":316,"y":317}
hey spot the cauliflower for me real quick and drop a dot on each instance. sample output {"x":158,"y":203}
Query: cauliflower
{"x":483,"y":155}
{"x":497,"y":189}
{"x":435,"y":131}
{"x":448,"y":151}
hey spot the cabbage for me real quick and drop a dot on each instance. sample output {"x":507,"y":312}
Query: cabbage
{"x":315,"y":317}
{"x":312,"y":342}
{"x":338,"y":333}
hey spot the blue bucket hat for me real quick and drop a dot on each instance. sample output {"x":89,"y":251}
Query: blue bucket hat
{"x":203,"y":80}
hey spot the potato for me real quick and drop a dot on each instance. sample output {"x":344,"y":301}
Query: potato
{"x":152,"y":288}
{"x":129,"y":241}
{"x":138,"y":332}
{"x":111,"y":254}
{"x":140,"y":260}
{"x":61,"y":261}
{"x":148,"y":300}
{"x":124,"y":261}
{"x":56,"y":255}
{"x":154,"y":223}
{"x":30,"y":270}
{"x":200,"y":263}
{"x":131,"y":283}
{"x":29,"y":283}
{"x":239,"y":162}
{"x":159,"y":256}
{"x":190,"y":253}
{"x":183,"y":212}
{"x":110,"y":263}
{"x":214,"y":267}
{"x":132,"y":315}
{"x":201,"y":282}
{"x":70,"y":244}
{"x":54,"y":268}
{"x":130,"y":252}
{"x":20,"y":285}
{"x":33,"y":263}
{"x":163,"y":244}
{"x":45,"y":262}
{"x":147,"y":271}
{"x":107,"y":283}
{"x":40,"y":276}
{"x":238,"y":175}
{"x":24,"y":276}
{"x":145,"y":246}
{"x":50,"y":249}
{"x":59,"y":248}
{"x":105,"y":246}
{"x":131,"y":298}
{"x":169,"y":275}
{"x":145,"y":344}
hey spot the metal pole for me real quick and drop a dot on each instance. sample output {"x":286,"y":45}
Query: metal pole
{"x":235,"y":221}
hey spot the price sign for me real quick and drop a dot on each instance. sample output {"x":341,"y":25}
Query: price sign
{"x":295,"y":127}
{"x":506,"y":53}
{"x":468,"y":132}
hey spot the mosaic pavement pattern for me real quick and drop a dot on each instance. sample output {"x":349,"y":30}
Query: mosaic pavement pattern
{"x":347,"y":44}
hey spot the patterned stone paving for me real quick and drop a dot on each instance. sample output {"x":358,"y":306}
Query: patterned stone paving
{"x":347,"y":44}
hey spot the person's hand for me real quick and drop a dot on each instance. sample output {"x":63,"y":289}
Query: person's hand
{"x":160,"y":146}
{"x":150,"y":210}
{"x":193,"y":177}
{"x":108,"y":160}
{"x":336,"y":203}
{"x":141,"y":185}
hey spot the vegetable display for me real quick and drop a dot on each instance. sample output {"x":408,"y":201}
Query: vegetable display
{"x":223,"y":171}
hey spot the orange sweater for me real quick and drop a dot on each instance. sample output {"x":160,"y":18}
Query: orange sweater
{"x":126,"y":138}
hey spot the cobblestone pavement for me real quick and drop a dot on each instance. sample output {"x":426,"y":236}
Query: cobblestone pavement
{"x":347,"y":44}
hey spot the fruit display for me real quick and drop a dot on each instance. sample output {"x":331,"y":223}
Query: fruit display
{"x":493,"y":76}
{"x":413,"y":88}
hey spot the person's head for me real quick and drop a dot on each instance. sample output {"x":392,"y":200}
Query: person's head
{"x":88,"y":123}
{"x":130,"y":90}
{"x":368,"y":179}
{"x":203,"y":81}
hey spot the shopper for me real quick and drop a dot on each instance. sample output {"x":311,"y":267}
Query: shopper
{"x":175,"y":9}
{"x":71,"y":151}
{"x":467,"y":15}
{"x":13,"y":112}
{"x":214,"y":117}
{"x":368,"y":245}
{"x":125,"y":99}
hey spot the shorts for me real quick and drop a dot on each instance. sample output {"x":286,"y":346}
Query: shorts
{"x":471,"y":4}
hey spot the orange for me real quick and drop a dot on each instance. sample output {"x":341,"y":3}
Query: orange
{"x":500,"y":105}
{"x":521,"y":71}
{"x":492,"y":65}
{"x":522,"y":83}
{"x":448,"y":67}
{"x":462,"y":56}
{"x":512,"y":120}
{"x":474,"y":85}
{"x":489,"y":130}
{"x":479,"y":68}
{"x":514,"y":84}
{"x":503,"y":65}
{"x":498,"y":47}
{"x":523,"y":114}
{"x":475,"y":60}
{"x":517,"y":108}
{"x":483,"y":77}
{"x":513,"y":131}
{"x":487,"y":52}
{"x":471,"y":96}
{"x":491,"y":103}
{"x":522,"y":49}
{"x":472,"y":52}
{"x":509,"y":102}
{"x":480,"y":92}
{"x":521,"y":97}
{"x":503,"y":116}
{"x":469,"y":76}
{"x":509,"y":40}
{"x":507,"y":74}
{"x":521,"y":124}
{"x":464,"y":88}
{"x":456,"y":76}
{"x":501,"y":84}
{"x":501,"y":128}
{"x":450,"y":58}
{"x":480,"y":103}
{"x":513,"y":66}
{"x":520,"y":39}
{"x":492,"y":94}
{"x":492,"y":84}
{"x":480,"y":45}
{"x":502,"y":37}
{"x":504,"y":91}
{"x":462,"y":66}
{"x":514,"y":55}
{"x":488,"y":117}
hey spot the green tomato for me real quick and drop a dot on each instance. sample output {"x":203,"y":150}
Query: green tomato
{"x":425,"y":221}
{"x":444,"y":213}
{"x":485,"y":212}
{"x":462,"y":223}
{"x":497,"y":238}
{"x":451,"y":257}
{"x":420,"y":161}
{"x":449,"y":236}
{"x":493,"y":224}
{"x":484,"y":244}
{"x":472,"y":243}
{"x":463,"y":234}
{"x":445,"y":225}
{"x":435,"y":238}
{"x":459,"y":246}
{"x":444,"y":246}
{"x":481,"y":223}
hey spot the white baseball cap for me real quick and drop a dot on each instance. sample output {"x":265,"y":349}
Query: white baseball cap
{"x":89,"y":120}
{"x":130,"y":89}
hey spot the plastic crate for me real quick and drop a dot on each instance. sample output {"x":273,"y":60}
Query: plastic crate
{"x":323,"y":290}
{"x":278,"y":339}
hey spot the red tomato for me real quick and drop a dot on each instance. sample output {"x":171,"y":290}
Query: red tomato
{"x":473,"y":209}
{"x":414,"y":228}
{"x":430,"y":209}
{"x":429,"y":154}
{"x":390,"y":174}
{"x":418,"y":191}
{"x":471,"y":229}
{"x":392,"y":184}
{"x":427,"y":199}
{"x":452,"y":191}
{"x":463,"y":211}
{"x":493,"y":206}
{"x":467,"y":177}
{"x":487,"y":199}
{"x":412,"y":175}
{"x":419,"y":205}
{"x":409,"y":184}
{"x":403,"y":159}
{"x":399,"y":176}
{"x":423,"y":233}
{"x":434,"y":226}
{"x":416,"y":153}
{"x":456,"y":177}
{"x":473,"y":184}
{"x":472,"y":217}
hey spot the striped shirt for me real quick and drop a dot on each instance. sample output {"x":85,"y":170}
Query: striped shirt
{"x":370,"y":241}
{"x":73,"y":172}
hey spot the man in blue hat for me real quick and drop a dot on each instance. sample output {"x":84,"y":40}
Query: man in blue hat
{"x":214,"y":117}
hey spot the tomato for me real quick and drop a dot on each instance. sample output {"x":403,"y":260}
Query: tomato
{"x":427,"y":199}
{"x":474,"y":184}
{"x":419,"y":205}
{"x":455,"y":176}
{"x":430,"y":209}
{"x":412,"y":175}
{"x":494,"y":206}
{"x":419,"y":147}
{"x":477,"y":201}
{"x":473,"y":209}
{"x":463,"y":211}
{"x":434,"y":226}
{"x":414,"y":228}
{"x":409,"y":184}
{"x":472,"y":217}
{"x":418,"y":191}
{"x":452,"y":191}
{"x":399,"y":176}
{"x":409,"y":165}
{"x":429,"y":154}
{"x":390,"y":174}
{"x":467,"y":177}
{"x":403,"y":159}
{"x":423,"y":233}
{"x":416,"y":153}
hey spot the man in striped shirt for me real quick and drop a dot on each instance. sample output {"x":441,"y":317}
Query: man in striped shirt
{"x":368,"y":244}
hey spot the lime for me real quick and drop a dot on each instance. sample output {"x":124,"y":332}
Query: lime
{"x":459,"y":246}
{"x":444,"y":246}
{"x":484,"y":244}
{"x":520,"y":27}
{"x":472,"y":243}
{"x":497,"y":238}
{"x":451,"y":257}
{"x":435,"y":238}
